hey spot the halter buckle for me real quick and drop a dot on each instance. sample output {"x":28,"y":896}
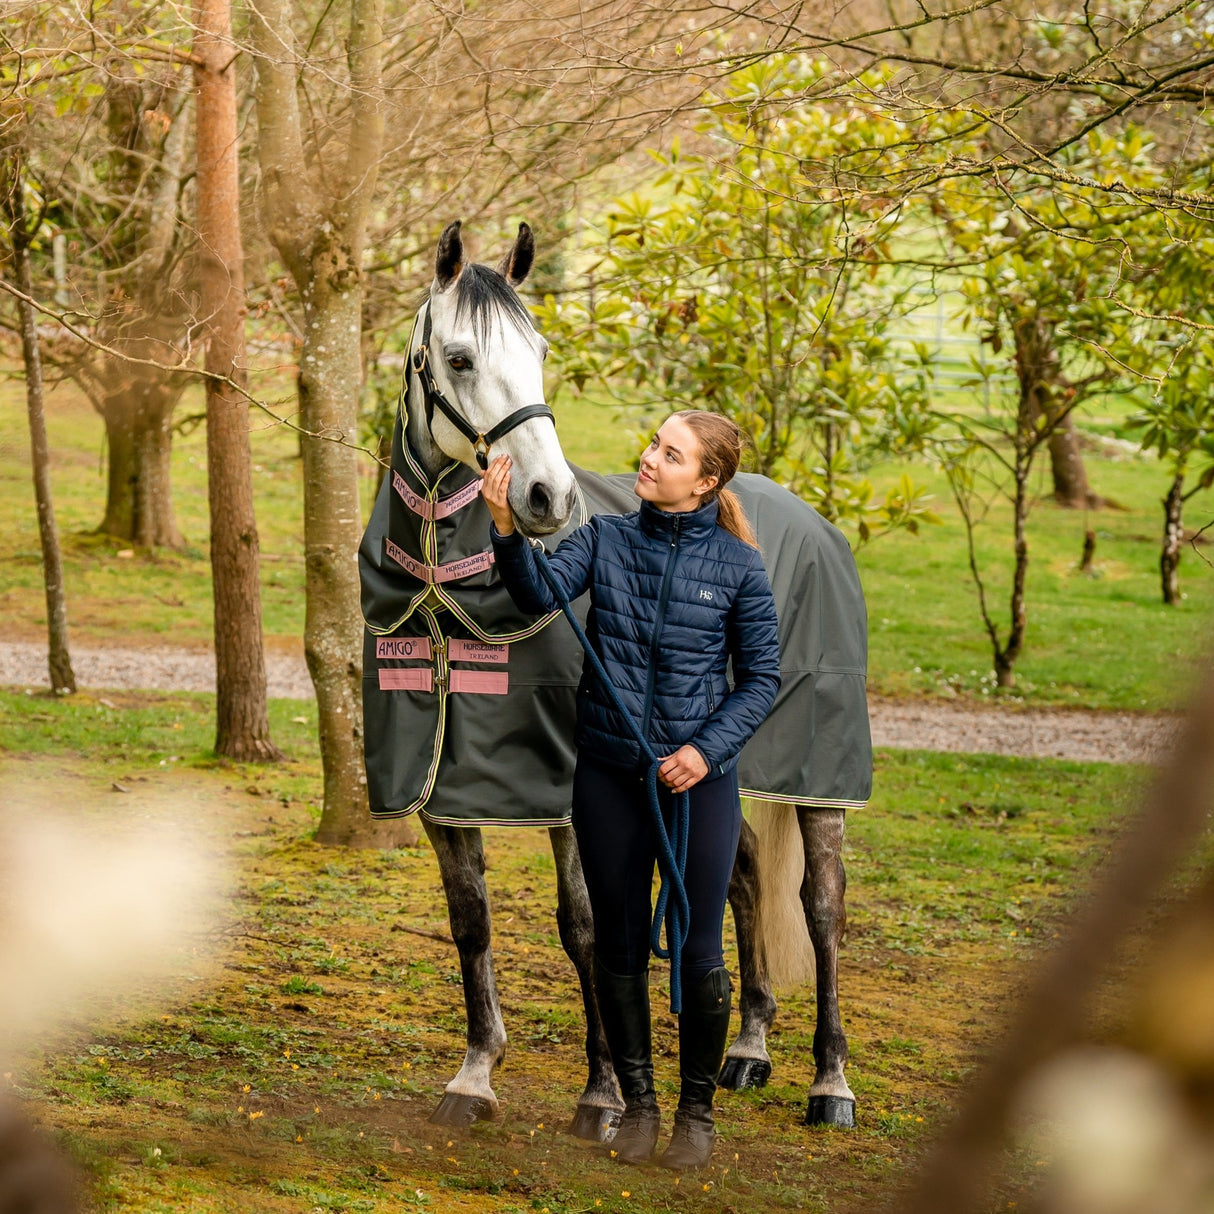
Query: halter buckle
{"x":419,"y":359}
{"x":481,"y":450}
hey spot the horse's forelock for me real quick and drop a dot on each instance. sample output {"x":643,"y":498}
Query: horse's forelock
{"x":484,"y":295}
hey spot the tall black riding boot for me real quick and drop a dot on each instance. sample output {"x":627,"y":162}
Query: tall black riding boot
{"x":623,"y":1001}
{"x":703,"y":1029}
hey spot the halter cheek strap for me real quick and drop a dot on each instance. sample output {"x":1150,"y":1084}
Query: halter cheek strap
{"x":481,"y":441}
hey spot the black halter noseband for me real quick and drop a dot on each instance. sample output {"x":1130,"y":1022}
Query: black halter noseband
{"x":481,"y":443}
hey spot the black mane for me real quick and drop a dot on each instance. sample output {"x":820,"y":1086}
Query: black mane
{"x":481,"y":292}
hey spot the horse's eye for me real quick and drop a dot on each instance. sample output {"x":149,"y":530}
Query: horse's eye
{"x":457,"y":362}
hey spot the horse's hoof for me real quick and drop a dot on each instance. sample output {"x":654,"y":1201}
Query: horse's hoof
{"x":740,"y":1073}
{"x":461,"y":1111}
{"x":594,"y":1123}
{"x":831,"y":1110}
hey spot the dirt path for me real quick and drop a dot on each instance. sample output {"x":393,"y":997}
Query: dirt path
{"x":154,"y":668}
{"x":1044,"y":733}
{"x":1113,"y":737}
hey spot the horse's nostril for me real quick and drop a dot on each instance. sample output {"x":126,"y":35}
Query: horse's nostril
{"x":539,"y":499}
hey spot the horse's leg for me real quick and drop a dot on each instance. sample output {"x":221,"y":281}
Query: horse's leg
{"x":831,"y":1101}
{"x":461,"y":861}
{"x":747,"y":1064}
{"x":599,"y":1107}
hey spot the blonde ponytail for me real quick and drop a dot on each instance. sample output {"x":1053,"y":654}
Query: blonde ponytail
{"x":732,"y":517}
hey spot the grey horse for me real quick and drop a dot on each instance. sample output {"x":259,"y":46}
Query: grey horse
{"x":469,"y":706}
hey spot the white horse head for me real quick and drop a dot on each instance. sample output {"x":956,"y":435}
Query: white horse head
{"x":484,"y":360}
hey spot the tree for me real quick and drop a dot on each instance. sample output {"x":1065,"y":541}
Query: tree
{"x":1037,"y":81}
{"x":1046,"y":259}
{"x":504,"y":129}
{"x":534,"y":106}
{"x":242,"y":721}
{"x":120,"y":203}
{"x":107,"y":139}
{"x":736,"y":281}
{"x":1176,"y":420}
{"x":1178,"y":424}
{"x":1037,"y":267}
{"x":20,"y":237}
{"x":317,"y":202}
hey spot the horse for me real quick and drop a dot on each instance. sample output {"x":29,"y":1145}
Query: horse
{"x":470,"y":722}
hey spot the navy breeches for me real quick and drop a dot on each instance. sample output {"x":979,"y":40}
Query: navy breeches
{"x":615,"y":837}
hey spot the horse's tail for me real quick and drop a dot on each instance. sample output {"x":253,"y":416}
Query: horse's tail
{"x":781,"y":931}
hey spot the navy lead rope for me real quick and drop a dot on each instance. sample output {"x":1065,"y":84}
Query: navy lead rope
{"x":672,"y":903}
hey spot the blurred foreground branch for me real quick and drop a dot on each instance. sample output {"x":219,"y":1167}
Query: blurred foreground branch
{"x":1054,"y":1012}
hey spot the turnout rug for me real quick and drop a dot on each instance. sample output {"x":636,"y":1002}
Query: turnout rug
{"x":469,"y":704}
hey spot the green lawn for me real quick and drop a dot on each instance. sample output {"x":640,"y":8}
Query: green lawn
{"x":1103,"y":640}
{"x":114,"y":594}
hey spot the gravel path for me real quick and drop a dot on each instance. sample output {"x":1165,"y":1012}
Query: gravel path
{"x":1113,"y":737}
{"x":23,"y":663}
{"x":1044,"y":733}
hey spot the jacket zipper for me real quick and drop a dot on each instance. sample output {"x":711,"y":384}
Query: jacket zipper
{"x":659,"y":621}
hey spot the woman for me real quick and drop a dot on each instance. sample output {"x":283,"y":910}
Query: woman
{"x":677,"y":590}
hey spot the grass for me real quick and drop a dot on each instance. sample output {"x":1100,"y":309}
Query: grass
{"x":1100,"y":641}
{"x":291,"y":1066}
{"x":1103,"y":640}
{"x":116,"y":594}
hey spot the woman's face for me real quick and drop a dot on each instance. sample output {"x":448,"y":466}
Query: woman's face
{"x":669,"y":476}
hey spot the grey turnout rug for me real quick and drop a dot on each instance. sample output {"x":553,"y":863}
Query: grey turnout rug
{"x":469,"y":705}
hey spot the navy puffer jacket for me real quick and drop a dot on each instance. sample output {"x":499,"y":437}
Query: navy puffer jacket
{"x":673,"y":598}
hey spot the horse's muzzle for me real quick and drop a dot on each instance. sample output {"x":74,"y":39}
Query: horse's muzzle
{"x":545,"y":510}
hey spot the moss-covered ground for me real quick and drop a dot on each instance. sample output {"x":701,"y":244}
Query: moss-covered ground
{"x":291,"y":1062}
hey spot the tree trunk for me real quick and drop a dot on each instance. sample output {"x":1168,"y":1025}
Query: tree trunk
{"x":1025,"y":441}
{"x":1173,"y":536}
{"x":321,"y":240}
{"x":63,"y":679}
{"x":1089,"y":551}
{"x":242,"y":723}
{"x":137,"y":406}
{"x":1005,"y":658}
{"x":1005,"y":674}
{"x":144,"y":314}
{"x":330,"y":376}
{"x":1071,"y":488}
{"x":1039,"y":372}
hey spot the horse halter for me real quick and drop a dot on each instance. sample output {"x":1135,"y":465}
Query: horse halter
{"x":481,"y":442}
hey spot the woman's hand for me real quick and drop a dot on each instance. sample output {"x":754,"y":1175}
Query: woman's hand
{"x":494,"y":488}
{"x":683,"y":769}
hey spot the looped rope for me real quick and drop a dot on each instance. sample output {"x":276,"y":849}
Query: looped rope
{"x":672,"y":905}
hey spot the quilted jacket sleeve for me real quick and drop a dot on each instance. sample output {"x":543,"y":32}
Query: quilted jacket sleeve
{"x":571,"y":562}
{"x":754,"y":647}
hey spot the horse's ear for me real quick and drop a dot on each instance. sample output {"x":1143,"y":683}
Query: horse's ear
{"x":516,"y":265}
{"x":449,"y":260}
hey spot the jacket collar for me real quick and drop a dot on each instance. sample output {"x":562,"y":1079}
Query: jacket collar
{"x":688,"y":524}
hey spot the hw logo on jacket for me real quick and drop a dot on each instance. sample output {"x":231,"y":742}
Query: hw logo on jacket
{"x":706,"y":594}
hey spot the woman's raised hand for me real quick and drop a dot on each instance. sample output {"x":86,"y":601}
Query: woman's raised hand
{"x":494,"y":488}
